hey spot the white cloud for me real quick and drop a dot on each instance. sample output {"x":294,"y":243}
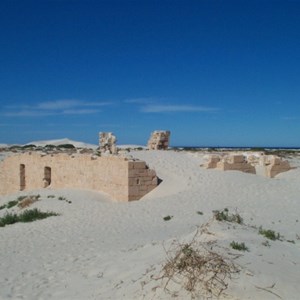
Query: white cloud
{"x":142,"y":100}
{"x":58,"y":104}
{"x":80,"y":111}
{"x":176,"y":108}
{"x":57,"y":107}
{"x":289,"y":118}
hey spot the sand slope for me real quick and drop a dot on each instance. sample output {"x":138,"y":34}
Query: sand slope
{"x":101,"y":249}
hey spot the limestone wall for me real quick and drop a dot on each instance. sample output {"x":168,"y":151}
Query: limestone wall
{"x":271,"y":165}
{"x":275,"y":165}
{"x":119,"y":177}
{"x":236,"y":162}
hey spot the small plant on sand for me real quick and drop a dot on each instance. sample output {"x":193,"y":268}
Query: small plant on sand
{"x":225,"y":216}
{"x":266,"y":244}
{"x":3,"y":206}
{"x":64,"y":199}
{"x":168,"y":218}
{"x":12,"y":203}
{"x":196,"y":268}
{"x":238,"y":246}
{"x":20,"y":198}
{"x":269,"y":234}
{"x":27,"y":216}
{"x":50,"y":196}
{"x":199,"y":212}
{"x":8,"y":219}
{"x":35,"y":214}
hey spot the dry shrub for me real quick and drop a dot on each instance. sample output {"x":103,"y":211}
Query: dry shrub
{"x":28,"y":201}
{"x":199,"y":270}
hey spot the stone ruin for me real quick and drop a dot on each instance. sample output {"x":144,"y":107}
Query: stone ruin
{"x":275,"y":165}
{"x":159,"y":140}
{"x":124,"y":179}
{"x":107,"y":143}
{"x":236,"y":162}
{"x":271,"y":164}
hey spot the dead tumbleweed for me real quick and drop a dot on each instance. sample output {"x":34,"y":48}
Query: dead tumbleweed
{"x":199,"y":270}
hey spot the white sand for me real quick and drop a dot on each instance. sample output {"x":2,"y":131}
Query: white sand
{"x":101,"y":249}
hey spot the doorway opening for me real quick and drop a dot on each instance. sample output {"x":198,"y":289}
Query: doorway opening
{"x":22,"y":177}
{"x":47,"y":176}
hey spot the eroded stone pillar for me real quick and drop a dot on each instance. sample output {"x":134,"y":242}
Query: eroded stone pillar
{"x":159,"y":140}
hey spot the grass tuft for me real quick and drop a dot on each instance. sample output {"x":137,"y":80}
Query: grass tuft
{"x":238,"y":246}
{"x":225,"y":216}
{"x":269,"y":234}
{"x":27,"y":216}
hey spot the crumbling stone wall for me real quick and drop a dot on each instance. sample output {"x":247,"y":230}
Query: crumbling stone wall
{"x":159,"y":140}
{"x":211,"y":161}
{"x":236,"y":162}
{"x":107,"y":143}
{"x":272,"y":165}
{"x":123,"y":179}
{"x":275,"y":165}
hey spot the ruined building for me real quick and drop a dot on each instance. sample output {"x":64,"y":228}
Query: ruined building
{"x":124,"y":179}
{"x":159,"y":140}
{"x":271,"y":165}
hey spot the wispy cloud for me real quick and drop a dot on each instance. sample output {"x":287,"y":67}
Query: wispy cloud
{"x":56,"y":107}
{"x":143,"y":100}
{"x":289,"y":118}
{"x":157,"y":108}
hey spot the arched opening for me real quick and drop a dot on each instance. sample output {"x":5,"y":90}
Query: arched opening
{"x":22,"y":177}
{"x":47,"y":176}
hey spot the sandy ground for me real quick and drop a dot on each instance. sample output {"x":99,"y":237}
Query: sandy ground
{"x":102,"y":249}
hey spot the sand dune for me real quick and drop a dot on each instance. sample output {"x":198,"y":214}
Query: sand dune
{"x":101,"y":249}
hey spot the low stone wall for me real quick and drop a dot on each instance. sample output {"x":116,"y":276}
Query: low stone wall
{"x":236,"y":162}
{"x":119,"y":177}
{"x":274,"y":165}
{"x":271,"y":164}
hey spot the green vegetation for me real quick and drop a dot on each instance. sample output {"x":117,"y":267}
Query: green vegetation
{"x":50,"y":146}
{"x":19,"y":200}
{"x":269,"y":234}
{"x":225,"y":216}
{"x":27,"y":216}
{"x":61,"y":198}
{"x":238,"y":246}
{"x":199,"y":212}
{"x":12,"y":203}
{"x":168,"y":218}
{"x":67,"y":146}
{"x":30,"y":146}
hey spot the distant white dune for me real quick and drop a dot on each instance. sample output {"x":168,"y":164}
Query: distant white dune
{"x":61,"y":142}
{"x":77,"y":144}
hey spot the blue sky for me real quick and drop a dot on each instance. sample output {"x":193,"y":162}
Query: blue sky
{"x":215,"y":73}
